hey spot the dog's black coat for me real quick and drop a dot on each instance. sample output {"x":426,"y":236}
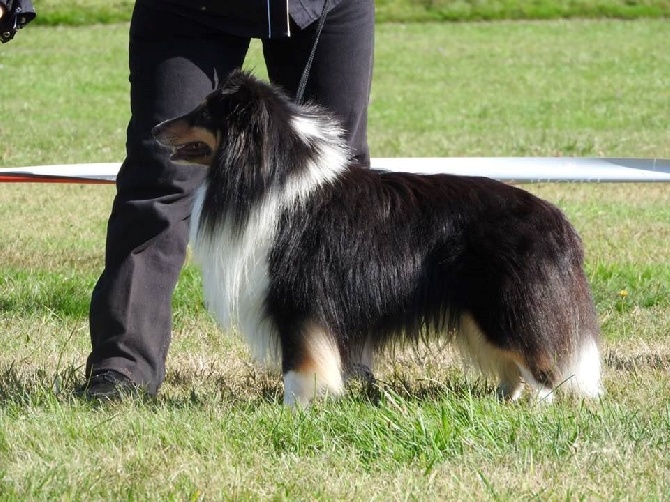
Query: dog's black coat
{"x":387,"y":258}
{"x":401,"y":255}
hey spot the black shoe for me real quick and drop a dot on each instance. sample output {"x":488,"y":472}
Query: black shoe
{"x":361,"y":372}
{"x":108,"y":385}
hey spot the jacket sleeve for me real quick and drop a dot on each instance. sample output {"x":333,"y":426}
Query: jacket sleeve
{"x":25,"y":12}
{"x":19,"y":14}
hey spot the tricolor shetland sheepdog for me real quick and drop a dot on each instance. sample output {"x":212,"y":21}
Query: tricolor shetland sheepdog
{"x":321,"y":262}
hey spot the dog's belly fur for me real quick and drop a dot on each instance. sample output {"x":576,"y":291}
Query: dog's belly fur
{"x":373,"y":260}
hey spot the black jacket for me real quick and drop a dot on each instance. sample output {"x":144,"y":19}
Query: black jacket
{"x":249,"y":18}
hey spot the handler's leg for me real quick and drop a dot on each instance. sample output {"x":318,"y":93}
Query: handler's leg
{"x":174,"y":64}
{"x":341,"y":73}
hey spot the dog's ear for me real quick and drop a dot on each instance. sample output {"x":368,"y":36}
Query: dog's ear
{"x":245,"y":104}
{"x":242,"y":87}
{"x":243,"y":168}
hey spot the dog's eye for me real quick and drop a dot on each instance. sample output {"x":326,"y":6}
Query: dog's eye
{"x":201,"y":117}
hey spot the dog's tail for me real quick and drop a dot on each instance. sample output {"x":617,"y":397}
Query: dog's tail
{"x":545,"y":335}
{"x":564,"y":352}
{"x":580,"y":371}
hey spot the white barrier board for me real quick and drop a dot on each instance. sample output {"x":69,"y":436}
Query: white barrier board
{"x":510,"y":169}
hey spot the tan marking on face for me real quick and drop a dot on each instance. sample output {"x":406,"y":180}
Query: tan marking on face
{"x":179,"y":135}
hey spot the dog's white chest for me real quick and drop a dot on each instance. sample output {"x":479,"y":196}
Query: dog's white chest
{"x":235,"y":273}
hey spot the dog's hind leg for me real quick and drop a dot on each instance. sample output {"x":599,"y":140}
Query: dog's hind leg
{"x":312,"y":366}
{"x":359,"y":364}
{"x":540,"y":392}
{"x":572,"y":364}
{"x":492,"y":361}
{"x":510,"y":384}
{"x":579,"y":376}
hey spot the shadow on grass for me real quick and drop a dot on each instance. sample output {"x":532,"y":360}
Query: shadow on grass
{"x":30,"y":387}
{"x":257,"y":387}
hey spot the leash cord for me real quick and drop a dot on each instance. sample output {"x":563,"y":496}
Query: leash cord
{"x":305,"y":73}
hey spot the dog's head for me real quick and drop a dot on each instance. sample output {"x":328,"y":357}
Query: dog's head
{"x":195,"y":137}
{"x":257,"y":142}
{"x":244,"y":112}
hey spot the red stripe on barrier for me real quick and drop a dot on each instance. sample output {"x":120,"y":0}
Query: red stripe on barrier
{"x":23,"y":178}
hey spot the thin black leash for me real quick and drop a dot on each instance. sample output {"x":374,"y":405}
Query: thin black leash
{"x":305,"y":73}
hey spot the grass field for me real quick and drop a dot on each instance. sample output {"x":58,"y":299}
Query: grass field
{"x":433,"y":431}
{"x":86,"y":12}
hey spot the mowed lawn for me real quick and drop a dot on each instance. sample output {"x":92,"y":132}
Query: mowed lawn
{"x":432,"y":430}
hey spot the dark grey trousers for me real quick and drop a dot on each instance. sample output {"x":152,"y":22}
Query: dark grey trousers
{"x":174,"y":63}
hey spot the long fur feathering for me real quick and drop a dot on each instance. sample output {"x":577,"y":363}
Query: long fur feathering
{"x":321,"y":262}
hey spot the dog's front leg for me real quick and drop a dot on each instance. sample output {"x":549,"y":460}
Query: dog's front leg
{"x":312,"y":365}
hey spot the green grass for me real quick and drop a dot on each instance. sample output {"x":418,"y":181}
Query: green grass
{"x":583,"y":88}
{"x":495,"y":10}
{"x":86,"y":12}
{"x":432,"y":431}
{"x":461,"y":446}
